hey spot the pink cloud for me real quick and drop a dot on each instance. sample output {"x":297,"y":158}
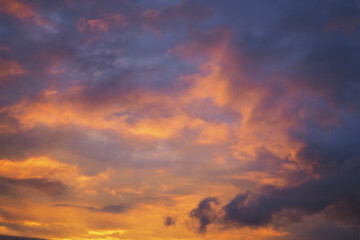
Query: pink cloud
{"x":102,"y":24}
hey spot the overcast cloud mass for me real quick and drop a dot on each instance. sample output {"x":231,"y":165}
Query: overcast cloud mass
{"x":180,"y":119}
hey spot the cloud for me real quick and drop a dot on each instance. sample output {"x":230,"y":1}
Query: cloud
{"x":9,"y":69}
{"x":255,"y":102}
{"x":205,"y":213}
{"x":169,"y":220}
{"x":17,"y":9}
{"x":326,"y":149}
{"x":334,"y":196}
{"x":348,"y":25}
{"x":116,"y":209}
{"x":102,"y":24}
{"x":184,"y":11}
{"x":7,"y":237}
{"x":10,"y":186}
{"x":308,"y":198}
{"x":37,"y":167}
{"x":333,"y":161}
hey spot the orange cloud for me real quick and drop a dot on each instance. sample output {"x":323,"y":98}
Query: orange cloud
{"x":9,"y":69}
{"x":214,"y":133}
{"x":98,"y":25}
{"x":213,"y":85}
{"x":43,"y":167}
{"x":17,"y":9}
{"x":163,"y":116}
{"x":40,"y":167}
{"x":54,"y":109}
{"x":262,"y":178}
{"x":159,"y":127}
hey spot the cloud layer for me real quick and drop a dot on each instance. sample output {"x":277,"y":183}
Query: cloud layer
{"x":179,"y":119}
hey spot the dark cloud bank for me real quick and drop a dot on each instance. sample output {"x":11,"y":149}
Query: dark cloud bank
{"x":336,"y":196}
{"x":324,"y":65}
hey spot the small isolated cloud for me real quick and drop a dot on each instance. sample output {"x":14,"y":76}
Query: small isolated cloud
{"x":169,"y":220}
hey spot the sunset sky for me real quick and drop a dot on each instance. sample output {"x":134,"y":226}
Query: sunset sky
{"x":180,"y":120}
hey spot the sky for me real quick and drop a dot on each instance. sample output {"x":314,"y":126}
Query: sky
{"x":179,"y":120}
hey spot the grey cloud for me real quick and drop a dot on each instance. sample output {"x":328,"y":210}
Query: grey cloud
{"x":12,"y":186}
{"x":309,"y":198}
{"x":119,"y":208}
{"x":205,"y":213}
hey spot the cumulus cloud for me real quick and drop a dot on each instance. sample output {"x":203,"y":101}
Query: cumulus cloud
{"x":205,"y":213}
{"x":308,"y":198}
{"x":332,"y":191}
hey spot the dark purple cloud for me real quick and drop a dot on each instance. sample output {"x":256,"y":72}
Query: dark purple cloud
{"x":205,"y":213}
{"x":333,"y":156}
{"x":6,"y":237}
{"x":119,"y":208}
{"x":169,"y":221}
{"x":11,"y":186}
